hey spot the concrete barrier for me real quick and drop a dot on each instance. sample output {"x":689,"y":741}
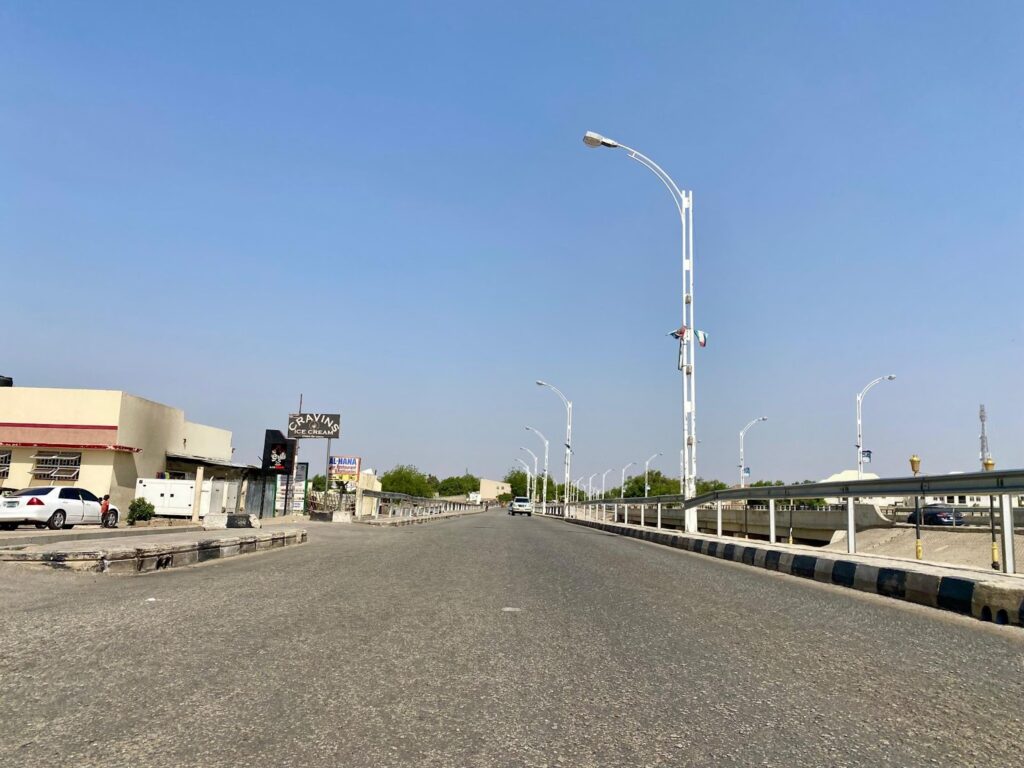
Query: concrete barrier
{"x":957,"y":590}
{"x":154,"y":556}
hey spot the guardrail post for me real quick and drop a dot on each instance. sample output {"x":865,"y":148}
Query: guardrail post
{"x":771,"y":520}
{"x":718,"y":516}
{"x":1009,"y":564}
{"x":643,"y":508}
{"x":851,"y":526}
{"x":659,"y":515}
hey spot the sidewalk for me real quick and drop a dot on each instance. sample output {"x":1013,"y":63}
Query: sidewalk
{"x":148,"y":552}
{"x":984,"y":594}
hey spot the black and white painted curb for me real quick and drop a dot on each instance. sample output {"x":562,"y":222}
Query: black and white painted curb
{"x":985,"y":600}
{"x":156,"y":557}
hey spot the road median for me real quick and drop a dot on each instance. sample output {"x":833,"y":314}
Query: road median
{"x":152,"y":554}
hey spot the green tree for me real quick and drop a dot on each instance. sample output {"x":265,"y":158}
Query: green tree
{"x":318,"y":483}
{"x":517,"y":479}
{"x":433,"y":482}
{"x":709,"y":486}
{"x":458,"y":486}
{"x":405,"y":478}
{"x":661,"y":485}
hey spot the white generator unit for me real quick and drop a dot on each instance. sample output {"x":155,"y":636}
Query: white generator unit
{"x":174,"y":498}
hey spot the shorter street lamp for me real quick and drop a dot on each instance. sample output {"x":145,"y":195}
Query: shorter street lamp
{"x":529,"y":478}
{"x":915,"y":467}
{"x":743,"y":433}
{"x":860,"y":431}
{"x":647,"y":467}
{"x":622,"y":488}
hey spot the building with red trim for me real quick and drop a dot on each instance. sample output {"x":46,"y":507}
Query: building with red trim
{"x":103,"y":440}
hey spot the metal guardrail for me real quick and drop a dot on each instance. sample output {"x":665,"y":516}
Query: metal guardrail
{"x":1004,"y":485}
{"x":404,"y":505}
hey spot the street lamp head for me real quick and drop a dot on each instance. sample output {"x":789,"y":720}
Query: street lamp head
{"x":763,"y":418}
{"x":592,"y":139}
{"x":890,"y":377}
{"x":541,"y":383}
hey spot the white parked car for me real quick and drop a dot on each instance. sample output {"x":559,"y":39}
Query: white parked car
{"x":54,"y":508}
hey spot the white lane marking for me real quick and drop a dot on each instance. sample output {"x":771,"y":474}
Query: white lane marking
{"x":510,"y":609}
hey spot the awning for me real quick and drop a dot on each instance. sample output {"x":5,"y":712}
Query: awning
{"x":190,"y":459}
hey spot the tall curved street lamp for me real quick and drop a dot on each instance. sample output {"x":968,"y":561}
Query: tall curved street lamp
{"x":524,"y":448}
{"x":860,"y":431}
{"x":647,"y":467}
{"x":684,"y":205}
{"x":622,"y":488}
{"x":590,"y":486}
{"x":743,"y":433}
{"x":603,"y":476}
{"x":544,"y":485}
{"x":568,"y":435}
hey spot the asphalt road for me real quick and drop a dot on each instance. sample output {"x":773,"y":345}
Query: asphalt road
{"x":492,"y":641}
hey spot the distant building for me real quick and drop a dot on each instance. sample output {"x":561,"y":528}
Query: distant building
{"x":850,"y":475}
{"x":103,"y":440}
{"x":490,"y":490}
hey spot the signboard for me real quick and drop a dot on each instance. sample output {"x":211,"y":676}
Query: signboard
{"x":865,"y":456}
{"x":344,"y":469}
{"x":302,"y":425}
{"x":297,"y":495}
{"x":278,"y":452}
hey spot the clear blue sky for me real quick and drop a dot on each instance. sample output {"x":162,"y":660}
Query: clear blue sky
{"x":388,"y":208}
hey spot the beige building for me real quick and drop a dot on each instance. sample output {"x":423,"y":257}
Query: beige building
{"x":102,"y":440}
{"x":490,"y":490}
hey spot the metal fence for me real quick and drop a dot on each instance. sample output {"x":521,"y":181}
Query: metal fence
{"x":1006,"y":488}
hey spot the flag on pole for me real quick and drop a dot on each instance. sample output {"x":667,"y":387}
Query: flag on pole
{"x":679,"y":333}
{"x":702,"y":338}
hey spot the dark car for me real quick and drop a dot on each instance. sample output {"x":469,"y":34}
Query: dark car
{"x":936,"y":514}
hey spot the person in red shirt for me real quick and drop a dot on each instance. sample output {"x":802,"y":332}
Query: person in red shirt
{"x":104,"y":508}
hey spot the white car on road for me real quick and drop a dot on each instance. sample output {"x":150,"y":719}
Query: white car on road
{"x":521,"y":505}
{"x":54,"y":508}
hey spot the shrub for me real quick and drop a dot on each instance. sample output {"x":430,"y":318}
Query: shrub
{"x":140,"y":509}
{"x":504,"y":498}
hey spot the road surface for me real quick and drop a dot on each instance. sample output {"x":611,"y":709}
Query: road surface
{"x":492,"y":641}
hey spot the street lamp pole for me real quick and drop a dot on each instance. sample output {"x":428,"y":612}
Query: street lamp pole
{"x":534,"y":494}
{"x":647,"y":467}
{"x":622,"y":488}
{"x":544,"y":491}
{"x":604,"y":475}
{"x":743,"y":433}
{"x":860,"y":433}
{"x":568,"y":435}
{"x":684,"y":205}
{"x":528,"y":475}
{"x":590,"y":485}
